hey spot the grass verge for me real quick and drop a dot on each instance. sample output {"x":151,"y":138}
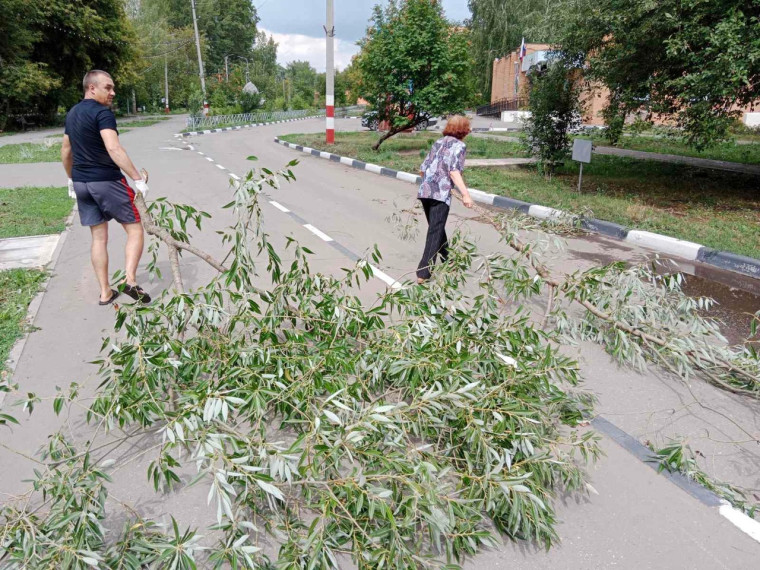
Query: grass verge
{"x":142,"y":122}
{"x":29,"y":152}
{"x":717,"y":209}
{"x":17,"y":289}
{"x":31,"y":211}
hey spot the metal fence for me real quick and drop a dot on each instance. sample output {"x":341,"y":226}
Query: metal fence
{"x":495,"y":108}
{"x":352,"y":111}
{"x":248,"y":118}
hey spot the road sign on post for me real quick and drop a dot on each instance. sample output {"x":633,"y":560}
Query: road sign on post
{"x":582,"y":153}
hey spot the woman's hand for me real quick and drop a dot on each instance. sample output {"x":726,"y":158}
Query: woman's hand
{"x":467,"y":200}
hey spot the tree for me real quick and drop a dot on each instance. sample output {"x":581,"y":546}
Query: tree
{"x":413,"y":64}
{"x":497,"y":28}
{"x":555,"y":112}
{"x":48,"y":46}
{"x":695,"y":62}
{"x":228,"y":26}
{"x":303,"y":83}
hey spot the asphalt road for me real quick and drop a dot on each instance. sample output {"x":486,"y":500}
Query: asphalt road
{"x":638,"y":519}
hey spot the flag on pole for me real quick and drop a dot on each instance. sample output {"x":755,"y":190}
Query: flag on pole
{"x":523,"y":50}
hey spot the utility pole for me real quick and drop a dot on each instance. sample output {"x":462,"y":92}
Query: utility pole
{"x":200,"y":58}
{"x":330,"y":76}
{"x":226,"y":70}
{"x":166,"y":84}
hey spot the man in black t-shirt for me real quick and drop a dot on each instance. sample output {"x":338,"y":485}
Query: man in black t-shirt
{"x":94,"y":158}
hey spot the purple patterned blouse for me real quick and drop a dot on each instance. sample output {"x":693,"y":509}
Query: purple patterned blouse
{"x":446,"y":155}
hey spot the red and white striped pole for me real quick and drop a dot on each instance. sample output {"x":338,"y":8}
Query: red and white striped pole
{"x":330,"y":76}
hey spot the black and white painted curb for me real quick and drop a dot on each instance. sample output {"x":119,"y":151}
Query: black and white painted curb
{"x":628,"y":442}
{"x":666,"y":245}
{"x":741,"y":521}
{"x":240,"y":127}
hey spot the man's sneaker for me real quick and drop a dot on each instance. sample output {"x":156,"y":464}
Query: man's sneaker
{"x":137,"y":293}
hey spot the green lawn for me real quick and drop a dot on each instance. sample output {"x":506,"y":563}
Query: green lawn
{"x":28,"y":152}
{"x":17,"y":289}
{"x":717,"y":209}
{"x":33,"y":211}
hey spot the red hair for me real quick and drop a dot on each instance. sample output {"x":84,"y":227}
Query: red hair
{"x":457,"y":126}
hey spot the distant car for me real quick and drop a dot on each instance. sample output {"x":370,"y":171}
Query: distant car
{"x":426,"y":123}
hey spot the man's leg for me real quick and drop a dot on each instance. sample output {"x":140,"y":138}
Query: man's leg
{"x":133,"y":251}
{"x":99,"y":256}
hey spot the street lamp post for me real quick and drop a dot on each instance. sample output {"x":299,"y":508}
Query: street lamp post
{"x":227,"y":69}
{"x":200,"y":59}
{"x":330,"y":76}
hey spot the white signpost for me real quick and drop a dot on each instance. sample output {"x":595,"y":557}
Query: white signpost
{"x":582,"y":153}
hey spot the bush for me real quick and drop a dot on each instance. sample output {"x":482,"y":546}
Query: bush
{"x":555,"y":112}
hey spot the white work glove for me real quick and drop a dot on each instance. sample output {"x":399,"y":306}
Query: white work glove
{"x":142,"y":187}
{"x":72,"y":194}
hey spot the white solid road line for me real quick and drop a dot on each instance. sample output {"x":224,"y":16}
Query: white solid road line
{"x":316,"y":232}
{"x":741,"y":521}
{"x":385,"y":278}
{"x":279,"y":206}
{"x":220,"y":167}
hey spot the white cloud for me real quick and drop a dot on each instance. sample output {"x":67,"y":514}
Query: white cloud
{"x":294,"y":47}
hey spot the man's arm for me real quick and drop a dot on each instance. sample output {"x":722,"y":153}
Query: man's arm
{"x":118,"y":154}
{"x":67,"y":158}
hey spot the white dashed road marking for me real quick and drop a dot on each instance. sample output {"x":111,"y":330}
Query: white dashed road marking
{"x":279,"y":206}
{"x":321,"y":235}
{"x":385,"y":278}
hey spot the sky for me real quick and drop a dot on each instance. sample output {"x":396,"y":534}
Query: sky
{"x":297,"y":27}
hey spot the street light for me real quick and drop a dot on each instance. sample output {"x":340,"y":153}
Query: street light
{"x":227,"y":69}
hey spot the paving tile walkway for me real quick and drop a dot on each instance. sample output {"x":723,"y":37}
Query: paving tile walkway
{"x":479,"y":162}
{"x":27,"y":252}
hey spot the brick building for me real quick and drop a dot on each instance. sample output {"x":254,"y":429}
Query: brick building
{"x":510,"y":84}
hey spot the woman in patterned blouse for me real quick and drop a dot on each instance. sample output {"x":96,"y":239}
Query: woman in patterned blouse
{"x":441,"y":170}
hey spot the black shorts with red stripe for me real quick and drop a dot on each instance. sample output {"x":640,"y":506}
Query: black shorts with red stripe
{"x":106,"y":200}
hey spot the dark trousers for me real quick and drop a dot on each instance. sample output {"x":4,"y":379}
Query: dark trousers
{"x":436,"y":243}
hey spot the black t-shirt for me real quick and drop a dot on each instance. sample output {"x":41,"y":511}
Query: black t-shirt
{"x":92,"y":163}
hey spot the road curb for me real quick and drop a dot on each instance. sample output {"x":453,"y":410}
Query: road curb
{"x":658,"y":242}
{"x":239,"y":127}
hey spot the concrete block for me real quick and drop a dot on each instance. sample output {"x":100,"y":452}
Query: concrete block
{"x":606,"y":228}
{"x":407,"y":177}
{"x":665,"y":244}
{"x":731,"y":261}
{"x":511,"y":204}
{"x":481,"y":197}
{"x":544,"y":213}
